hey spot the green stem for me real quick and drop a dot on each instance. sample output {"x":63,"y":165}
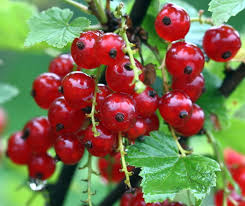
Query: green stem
{"x":80,"y":6}
{"x":139,"y":86}
{"x":90,"y":171}
{"x":94,"y":27}
{"x":101,"y":11}
{"x":123,"y":161}
{"x":203,"y":21}
{"x":93,"y":110}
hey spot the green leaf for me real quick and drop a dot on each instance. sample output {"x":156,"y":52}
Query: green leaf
{"x":55,"y":27}
{"x":165,"y":173}
{"x":13,"y":25}
{"x":213,"y":103}
{"x":7,"y":92}
{"x":222,"y":10}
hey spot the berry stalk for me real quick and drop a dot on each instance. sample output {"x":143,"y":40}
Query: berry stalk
{"x":80,"y":6}
{"x":124,"y":165}
{"x":90,"y":171}
{"x":101,"y":11}
{"x":201,"y":20}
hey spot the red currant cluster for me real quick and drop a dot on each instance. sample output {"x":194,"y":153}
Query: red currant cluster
{"x":185,"y":63}
{"x":136,"y":199}
{"x":236,"y":164}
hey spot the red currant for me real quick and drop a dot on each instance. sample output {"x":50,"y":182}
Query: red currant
{"x":101,"y":145}
{"x":193,"y":125}
{"x":175,"y":108}
{"x":119,"y":77}
{"x":238,"y":175}
{"x":172,"y":23}
{"x":63,"y":118}
{"x":41,"y":166}
{"x":146,"y":103}
{"x":184,"y":60}
{"x":221,"y":43}
{"x":103,"y":92}
{"x":83,"y":52}
{"x":118,"y":112}
{"x":138,"y":129}
{"x":167,"y":203}
{"x":45,"y":89}
{"x":127,"y":199}
{"x":38,"y":134}
{"x":110,"y":168}
{"x":3,"y":120}
{"x":193,"y":89}
{"x":138,"y":200}
{"x":109,"y":49}
{"x":218,"y":198}
{"x":78,"y":89}
{"x":69,"y":149}
{"x":152,"y":123}
{"x":233,"y":158}
{"x":18,"y":150}
{"x":61,"y":65}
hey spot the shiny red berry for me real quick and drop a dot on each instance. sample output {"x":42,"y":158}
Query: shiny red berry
{"x":152,"y":123}
{"x":193,"y":89}
{"x":101,"y":145}
{"x":172,"y":23}
{"x":146,"y":103}
{"x":3,"y":120}
{"x":69,"y":149}
{"x":193,"y":125}
{"x":184,"y":60}
{"x":18,"y":150}
{"x":103,"y":92}
{"x":109,"y":49}
{"x":78,"y":89}
{"x":126,"y":199}
{"x":41,"y":166}
{"x":139,"y":128}
{"x":61,"y":65}
{"x":175,"y":108}
{"x":233,"y":158}
{"x":63,"y":118}
{"x":221,"y":43}
{"x":38,"y":134}
{"x":118,"y":112}
{"x":83,"y":52}
{"x":238,"y":175}
{"x":119,"y":76}
{"x":110,"y":168}
{"x":45,"y":89}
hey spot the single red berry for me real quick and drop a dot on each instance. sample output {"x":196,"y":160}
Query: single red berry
{"x":109,"y":49}
{"x":193,"y":125}
{"x":101,"y":145}
{"x":138,"y":129}
{"x":172,"y":23}
{"x":61,"y":65}
{"x":184,"y":60}
{"x":119,"y":76}
{"x":41,"y":166}
{"x":83,"y":52}
{"x":78,"y":89}
{"x":3,"y":120}
{"x":103,"y":92}
{"x":138,"y":200}
{"x":233,"y":158}
{"x":126,"y":199}
{"x":221,"y":43}
{"x":45,"y":89}
{"x":218,"y":198}
{"x":175,"y":108}
{"x":146,"y":103}
{"x":18,"y":150}
{"x":118,"y":112}
{"x":38,"y":134}
{"x":152,"y":123}
{"x":69,"y":149}
{"x":193,"y":89}
{"x":63,"y":118}
{"x":238,"y":175}
{"x":110,"y":168}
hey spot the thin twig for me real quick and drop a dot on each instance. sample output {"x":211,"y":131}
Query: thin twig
{"x":101,"y":11}
{"x":80,"y":6}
